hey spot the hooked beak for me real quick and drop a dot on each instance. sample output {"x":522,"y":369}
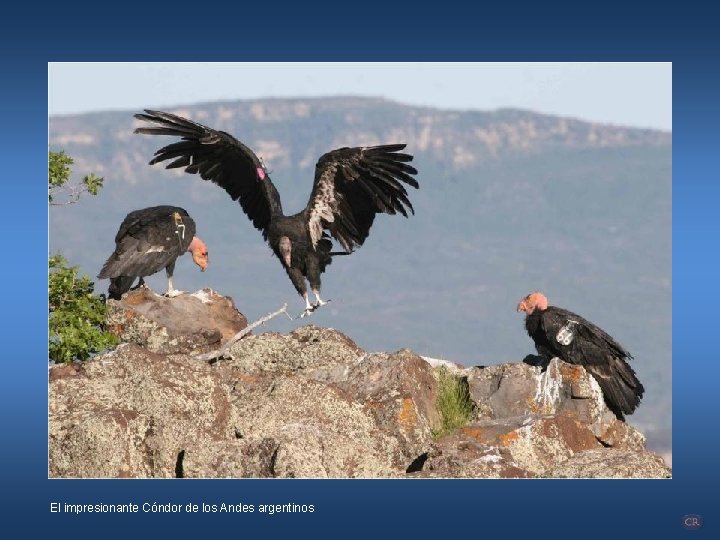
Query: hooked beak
{"x":202,"y":262}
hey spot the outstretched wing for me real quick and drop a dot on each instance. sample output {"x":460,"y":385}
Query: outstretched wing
{"x":149,"y":240}
{"x":219,"y":157}
{"x":352,"y":185}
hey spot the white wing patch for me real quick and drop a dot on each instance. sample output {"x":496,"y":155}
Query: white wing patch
{"x":566,"y":334}
{"x":156,"y":249}
{"x":323,"y":206}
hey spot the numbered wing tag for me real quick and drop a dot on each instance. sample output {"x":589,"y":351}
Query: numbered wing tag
{"x":566,"y":334}
{"x":179,"y":226}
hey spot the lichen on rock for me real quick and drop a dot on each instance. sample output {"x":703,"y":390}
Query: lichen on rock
{"x":312,"y":404}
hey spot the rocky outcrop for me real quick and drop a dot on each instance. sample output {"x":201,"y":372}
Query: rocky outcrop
{"x":558,"y":390}
{"x":312,"y":404}
{"x":611,"y":463}
{"x":187,"y":323}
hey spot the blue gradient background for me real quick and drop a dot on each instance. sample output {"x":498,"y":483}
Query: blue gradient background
{"x":358,"y":508}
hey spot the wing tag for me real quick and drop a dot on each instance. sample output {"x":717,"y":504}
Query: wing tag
{"x":565,"y":335}
{"x":261,"y":170}
{"x":179,"y":226}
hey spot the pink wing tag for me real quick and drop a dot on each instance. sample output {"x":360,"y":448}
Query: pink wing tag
{"x":261,"y":173}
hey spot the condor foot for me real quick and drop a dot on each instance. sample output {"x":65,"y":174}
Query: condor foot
{"x":172,"y":293}
{"x":313,"y":308}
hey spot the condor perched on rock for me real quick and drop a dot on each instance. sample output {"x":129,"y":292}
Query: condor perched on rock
{"x":149,"y":240}
{"x":351,"y":186}
{"x":563,"y":334}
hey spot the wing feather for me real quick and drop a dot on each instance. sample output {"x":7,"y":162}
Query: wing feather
{"x":352,"y":186}
{"x":218,"y":157}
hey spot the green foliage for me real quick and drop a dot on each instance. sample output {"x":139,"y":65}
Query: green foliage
{"x":92,"y":183}
{"x":59,"y":180}
{"x":453,"y":402}
{"x":58,"y":170}
{"x":76,"y":314}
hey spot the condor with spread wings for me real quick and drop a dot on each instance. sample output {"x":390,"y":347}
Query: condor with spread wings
{"x":351,"y":186}
{"x":560,"y":333}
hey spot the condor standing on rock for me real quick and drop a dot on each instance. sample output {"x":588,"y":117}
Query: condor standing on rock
{"x":351,"y":186}
{"x":563,"y":334}
{"x":149,"y":240}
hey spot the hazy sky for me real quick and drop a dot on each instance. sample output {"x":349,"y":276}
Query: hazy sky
{"x":633,"y":94}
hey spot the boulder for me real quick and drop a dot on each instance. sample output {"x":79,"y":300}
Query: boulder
{"x":306,"y":404}
{"x":612,"y":463}
{"x":461,"y":455}
{"x":523,"y":390}
{"x":312,"y":404}
{"x":195,"y":322}
{"x":132,"y":412}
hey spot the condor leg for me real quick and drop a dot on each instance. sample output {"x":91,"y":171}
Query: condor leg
{"x":140,"y":284}
{"x":172,"y":291}
{"x":298,"y":280}
{"x":313,"y":268}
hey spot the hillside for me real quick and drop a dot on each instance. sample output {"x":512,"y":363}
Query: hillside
{"x":510,"y":201}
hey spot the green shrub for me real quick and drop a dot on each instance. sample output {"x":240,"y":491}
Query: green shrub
{"x":76,"y":314}
{"x":59,"y":184}
{"x":453,"y":402}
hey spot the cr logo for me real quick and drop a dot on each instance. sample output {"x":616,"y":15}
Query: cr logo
{"x":692,"y":521}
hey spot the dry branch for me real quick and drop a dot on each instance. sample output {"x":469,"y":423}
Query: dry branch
{"x":215,"y":355}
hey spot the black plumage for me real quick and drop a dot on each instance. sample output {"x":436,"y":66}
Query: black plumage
{"x":561,"y":333}
{"x":147,"y":241}
{"x":351,"y":186}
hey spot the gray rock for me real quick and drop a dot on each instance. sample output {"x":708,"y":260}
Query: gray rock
{"x":239,"y":458}
{"x":612,"y":463}
{"x":308,"y":349}
{"x":312,"y":404}
{"x":462,"y":455}
{"x":521,"y":390}
{"x":196,"y":322}
{"x":131,"y":412}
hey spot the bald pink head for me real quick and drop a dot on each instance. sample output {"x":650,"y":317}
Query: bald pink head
{"x":199,"y":253}
{"x":533,"y":301}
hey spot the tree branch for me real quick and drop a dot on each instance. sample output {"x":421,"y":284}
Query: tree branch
{"x":72,"y":193}
{"x":216,"y":355}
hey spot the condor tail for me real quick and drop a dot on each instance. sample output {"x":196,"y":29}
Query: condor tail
{"x":119,"y":286}
{"x":620,"y":386}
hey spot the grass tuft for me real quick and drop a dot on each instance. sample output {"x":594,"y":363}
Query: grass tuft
{"x":453,"y":402}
